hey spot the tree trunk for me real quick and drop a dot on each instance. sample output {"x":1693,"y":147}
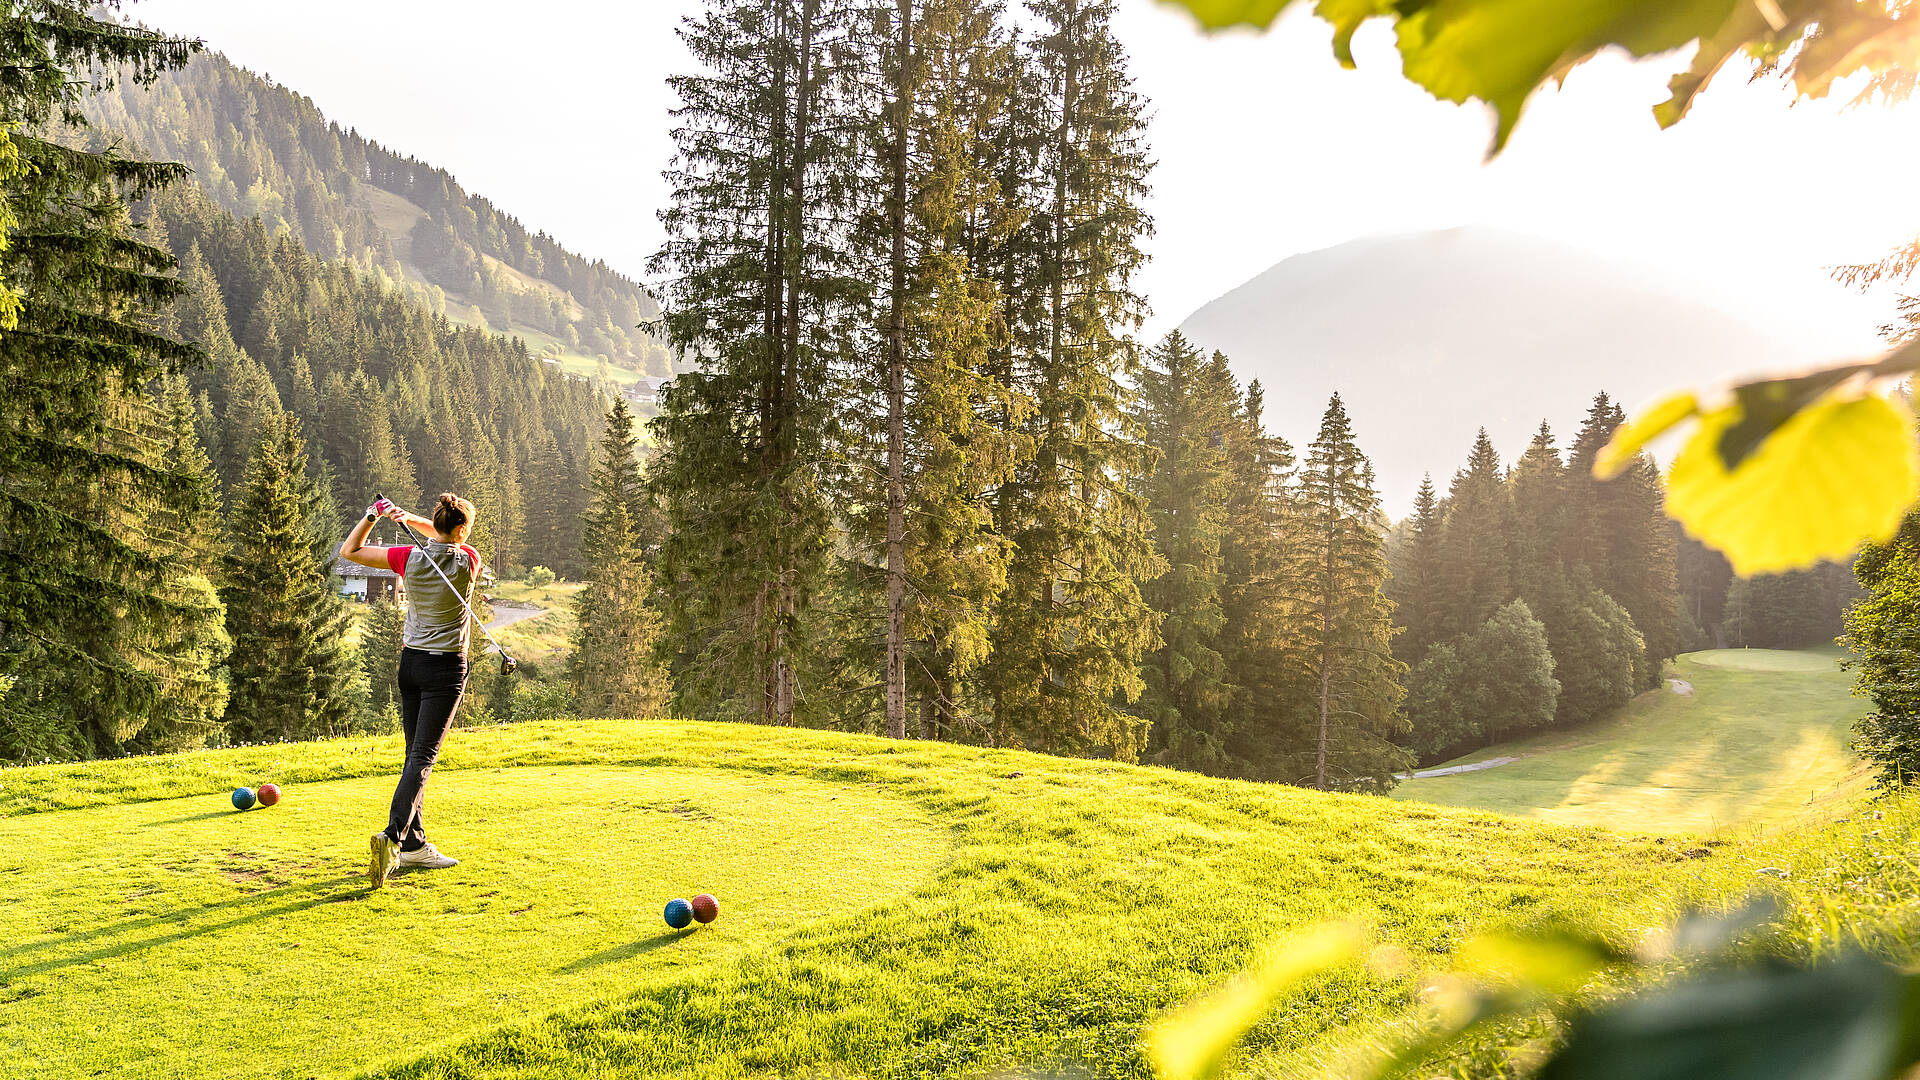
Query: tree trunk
{"x":786,"y":604}
{"x":896,"y":399}
{"x":1326,"y":667}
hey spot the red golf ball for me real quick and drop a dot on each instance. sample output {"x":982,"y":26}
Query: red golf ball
{"x":705,"y":907}
{"x":268,"y":794}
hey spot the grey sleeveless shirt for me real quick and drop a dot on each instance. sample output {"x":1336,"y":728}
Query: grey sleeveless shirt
{"x":435,"y":621}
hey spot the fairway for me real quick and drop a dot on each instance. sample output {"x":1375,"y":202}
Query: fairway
{"x":888,"y":909}
{"x":1760,"y":739}
{"x":225,"y":940}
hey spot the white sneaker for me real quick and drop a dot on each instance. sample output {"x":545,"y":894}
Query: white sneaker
{"x":426,"y":857}
{"x":381,"y":864}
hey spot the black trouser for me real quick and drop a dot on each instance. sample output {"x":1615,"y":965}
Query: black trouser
{"x":430,"y":688}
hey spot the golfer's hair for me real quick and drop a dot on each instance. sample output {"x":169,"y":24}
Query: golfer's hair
{"x":451,"y":512}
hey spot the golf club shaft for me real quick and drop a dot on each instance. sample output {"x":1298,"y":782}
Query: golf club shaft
{"x":415,"y":537}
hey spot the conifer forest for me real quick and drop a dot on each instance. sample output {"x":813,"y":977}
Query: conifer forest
{"x":915,"y":473}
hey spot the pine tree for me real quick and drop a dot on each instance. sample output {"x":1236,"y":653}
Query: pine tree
{"x":294,"y":675}
{"x":77,"y":349}
{"x":613,"y":668}
{"x":1883,"y":631}
{"x":1260,"y":600}
{"x":1186,"y":412}
{"x":380,"y":641}
{"x":1072,"y":625}
{"x":1475,"y":569}
{"x":757,"y":289}
{"x":1348,"y":644}
{"x":1417,"y":586}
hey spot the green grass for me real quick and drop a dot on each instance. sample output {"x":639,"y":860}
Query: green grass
{"x":1761,"y":741}
{"x":889,"y":909}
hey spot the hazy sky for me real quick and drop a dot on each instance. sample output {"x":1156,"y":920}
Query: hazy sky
{"x":1266,"y":148}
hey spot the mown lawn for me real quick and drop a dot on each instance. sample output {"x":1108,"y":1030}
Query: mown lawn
{"x":889,"y":909}
{"x":1762,"y":739}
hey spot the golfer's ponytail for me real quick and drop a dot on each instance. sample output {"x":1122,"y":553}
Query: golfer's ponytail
{"x":451,"y":512}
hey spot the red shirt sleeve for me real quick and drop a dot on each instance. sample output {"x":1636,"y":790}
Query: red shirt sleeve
{"x":397,"y":559}
{"x":475,"y":556}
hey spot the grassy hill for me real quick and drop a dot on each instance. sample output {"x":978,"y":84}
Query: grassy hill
{"x":888,"y":909}
{"x":1746,"y":737}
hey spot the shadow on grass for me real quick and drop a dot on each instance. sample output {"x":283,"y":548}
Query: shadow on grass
{"x":618,"y":952}
{"x":209,"y":815}
{"x":331,"y":891}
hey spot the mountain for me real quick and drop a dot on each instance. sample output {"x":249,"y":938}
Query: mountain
{"x":1430,"y":336}
{"x":260,"y":150}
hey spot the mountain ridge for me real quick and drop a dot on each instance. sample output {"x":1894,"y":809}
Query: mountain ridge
{"x":1480,"y":327}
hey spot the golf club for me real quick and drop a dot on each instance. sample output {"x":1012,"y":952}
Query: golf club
{"x":507,"y":663}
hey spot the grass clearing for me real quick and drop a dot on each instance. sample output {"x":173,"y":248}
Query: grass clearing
{"x":545,"y":639}
{"x":888,"y":909}
{"x":1761,"y":740}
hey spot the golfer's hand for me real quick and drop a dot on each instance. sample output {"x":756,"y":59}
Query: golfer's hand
{"x":385,"y":508}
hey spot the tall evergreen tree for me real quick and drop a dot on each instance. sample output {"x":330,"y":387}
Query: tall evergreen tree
{"x":1475,"y":568}
{"x":1072,"y":625}
{"x":78,"y":346}
{"x":1418,"y":588}
{"x":1187,"y":408}
{"x":613,"y":667}
{"x":756,"y":287}
{"x":1348,"y":646}
{"x":294,"y":675}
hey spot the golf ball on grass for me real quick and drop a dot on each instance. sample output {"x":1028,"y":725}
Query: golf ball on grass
{"x":705,"y":907}
{"x":268,"y":794}
{"x":679,"y":913}
{"x":243,"y":798}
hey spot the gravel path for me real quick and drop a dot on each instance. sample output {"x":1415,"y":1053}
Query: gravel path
{"x":1680,"y":686}
{"x":1450,"y":770}
{"x":507,"y":616}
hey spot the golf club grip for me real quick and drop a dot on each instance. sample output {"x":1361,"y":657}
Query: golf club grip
{"x":464,"y":606}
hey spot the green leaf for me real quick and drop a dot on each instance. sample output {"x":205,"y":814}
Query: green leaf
{"x":1501,"y":50}
{"x":1193,"y":1041}
{"x":1220,"y":14}
{"x":1836,"y":473}
{"x":1769,"y":403}
{"x":1846,"y":1021}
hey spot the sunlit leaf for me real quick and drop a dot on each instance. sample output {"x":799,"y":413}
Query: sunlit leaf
{"x":1633,"y":436}
{"x":1500,"y":51}
{"x":1838,"y":472}
{"x":1847,"y":1021}
{"x":1539,"y":965}
{"x":1769,"y":403}
{"x":1193,"y":1041}
{"x":1745,"y":24}
{"x":1219,"y":14}
{"x":1346,"y":17}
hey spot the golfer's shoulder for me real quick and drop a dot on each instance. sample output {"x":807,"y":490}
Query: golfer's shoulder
{"x":472,"y":555}
{"x":397,"y":558}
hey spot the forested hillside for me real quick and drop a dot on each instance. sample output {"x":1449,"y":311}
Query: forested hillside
{"x":259,"y":150}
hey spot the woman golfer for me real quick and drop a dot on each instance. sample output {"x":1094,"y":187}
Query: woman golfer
{"x":433,"y":663}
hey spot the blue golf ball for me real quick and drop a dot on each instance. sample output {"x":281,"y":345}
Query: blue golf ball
{"x":679,"y":913}
{"x":243,"y":798}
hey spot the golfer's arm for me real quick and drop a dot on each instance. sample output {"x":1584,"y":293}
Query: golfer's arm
{"x":355,"y":549}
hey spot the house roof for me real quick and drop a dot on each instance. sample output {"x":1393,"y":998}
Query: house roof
{"x":353,"y":569}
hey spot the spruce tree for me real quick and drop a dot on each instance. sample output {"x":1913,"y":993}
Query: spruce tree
{"x":757,"y":289}
{"x":294,"y":675}
{"x":1476,"y":571}
{"x":613,"y":668}
{"x":1186,"y":412}
{"x":1260,"y":598}
{"x":1417,"y":585}
{"x":1883,"y":632}
{"x":1072,"y":625}
{"x":1347,"y":646}
{"x":78,"y":347}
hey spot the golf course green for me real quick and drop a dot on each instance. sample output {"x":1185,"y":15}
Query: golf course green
{"x":1736,"y":738}
{"x":887,"y":909}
